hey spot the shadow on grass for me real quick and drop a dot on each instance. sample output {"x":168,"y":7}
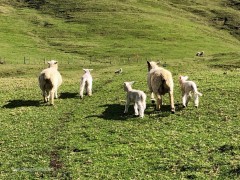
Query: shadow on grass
{"x":115,"y":112}
{"x":21,"y":103}
{"x":68,"y":95}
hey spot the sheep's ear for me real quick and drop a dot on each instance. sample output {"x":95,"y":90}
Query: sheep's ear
{"x":84,"y":70}
{"x":55,"y":62}
{"x":149,"y":65}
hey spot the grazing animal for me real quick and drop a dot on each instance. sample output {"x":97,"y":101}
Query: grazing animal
{"x":187,"y":87}
{"x":49,"y":81}
{"x":137,"y":97}
{"x":119,"y":71}
{"x":160,"y":82}
{"x":200,"y":54}
{"x":86,"y":83}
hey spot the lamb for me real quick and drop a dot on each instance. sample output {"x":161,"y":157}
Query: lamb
{"x":200,"y":53}
{"x":187,"y":87}
{"x":49,"y":81}
{"x":86,"y":83}
{"x":160,"y":82}
{"x":136,"y":96}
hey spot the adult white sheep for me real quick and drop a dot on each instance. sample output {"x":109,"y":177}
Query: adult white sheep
{"x":160,"y":82}
{"x":137,"y":97}
{"x":86,"y":83}
{"x":187,"y":87}
{"x":49,"y":81}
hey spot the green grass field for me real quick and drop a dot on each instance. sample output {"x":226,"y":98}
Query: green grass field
{"x":92,"y":138}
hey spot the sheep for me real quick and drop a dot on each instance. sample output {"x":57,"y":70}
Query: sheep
{"x":136,"y":96}
{"x":160,"y":82}
{"x":187,"y":87}
{"x":119,"y":71}
{"x":86,"y":83}
{"x":49,"y":81}
{"x":200,"y":54}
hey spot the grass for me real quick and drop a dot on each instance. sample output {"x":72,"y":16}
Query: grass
{"x":92,"y":138}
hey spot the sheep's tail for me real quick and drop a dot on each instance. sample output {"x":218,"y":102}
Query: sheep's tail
{"x":47,"y":83}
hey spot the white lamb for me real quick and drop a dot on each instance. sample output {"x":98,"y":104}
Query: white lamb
{"x":86,"y":83}
{"x":49,"y":81}
{"x":137,"y":97}
{"x":187,"y":87}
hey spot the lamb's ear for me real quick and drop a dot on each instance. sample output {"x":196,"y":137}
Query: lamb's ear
{"x":55,"y":62}
{"x":84,"y":70}
{"x":186,"y":77}
{"x":132,"y":82}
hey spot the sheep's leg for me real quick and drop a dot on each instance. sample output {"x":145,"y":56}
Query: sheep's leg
{"x":159,"y":102}
{"x":52,"y":97}
{"x":136,"y":109}
{"x":172,"y":102}
{"x":152,"y":98}
{"x":126,"y":106}
{"x":196,"y":100}
{"x":56,"y":94}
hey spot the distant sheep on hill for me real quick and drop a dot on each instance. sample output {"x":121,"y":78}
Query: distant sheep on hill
{"x":160,"y":82}
{"x":137,"y":97}
{"x":49,"y":81}
{"x":187,"y":87}
{"x":86,"y":83}
{"x":200,"y":54}
{"x":119,"y":71}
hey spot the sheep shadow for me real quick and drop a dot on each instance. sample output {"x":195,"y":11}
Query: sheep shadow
{"x":21,"y":103}
{"x":68,"y":95}
{"x":115,"y":112}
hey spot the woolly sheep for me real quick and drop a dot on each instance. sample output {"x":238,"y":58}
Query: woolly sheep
{"x":160,"y":82}
{"x":86,"y":83}
{"x":187,"y":87}
{"x":119,"y":71}
{"x":137,"y":97}
{"x":200,"y":53}
{"x":49,"y":81}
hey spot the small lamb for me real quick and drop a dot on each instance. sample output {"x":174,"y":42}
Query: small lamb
{"x":187,"y":87}
{"x":137,"y":97}
{"x":49,"y":81}
{"x":86,"y":83}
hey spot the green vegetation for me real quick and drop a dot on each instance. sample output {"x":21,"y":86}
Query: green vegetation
{"x":92,"y":138}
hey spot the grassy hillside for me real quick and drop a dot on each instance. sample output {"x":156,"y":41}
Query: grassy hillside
{"x":92,"y":138}
{"x":143,"y":29}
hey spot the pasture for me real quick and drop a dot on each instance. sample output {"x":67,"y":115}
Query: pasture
{"x":92,"y":138}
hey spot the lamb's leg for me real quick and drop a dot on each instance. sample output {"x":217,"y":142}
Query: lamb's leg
{"x":141,"y":109}
{"x":184,"y":100}
{"x":126,"y":106}
{"x":89,"y":89}
{"x":136,"y":109}
{"x":56,"y":94}
{"x":81,"y":89}
{"x":172,"y":101}
{"x":188,"y":99}
{"x":196,"y":100}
